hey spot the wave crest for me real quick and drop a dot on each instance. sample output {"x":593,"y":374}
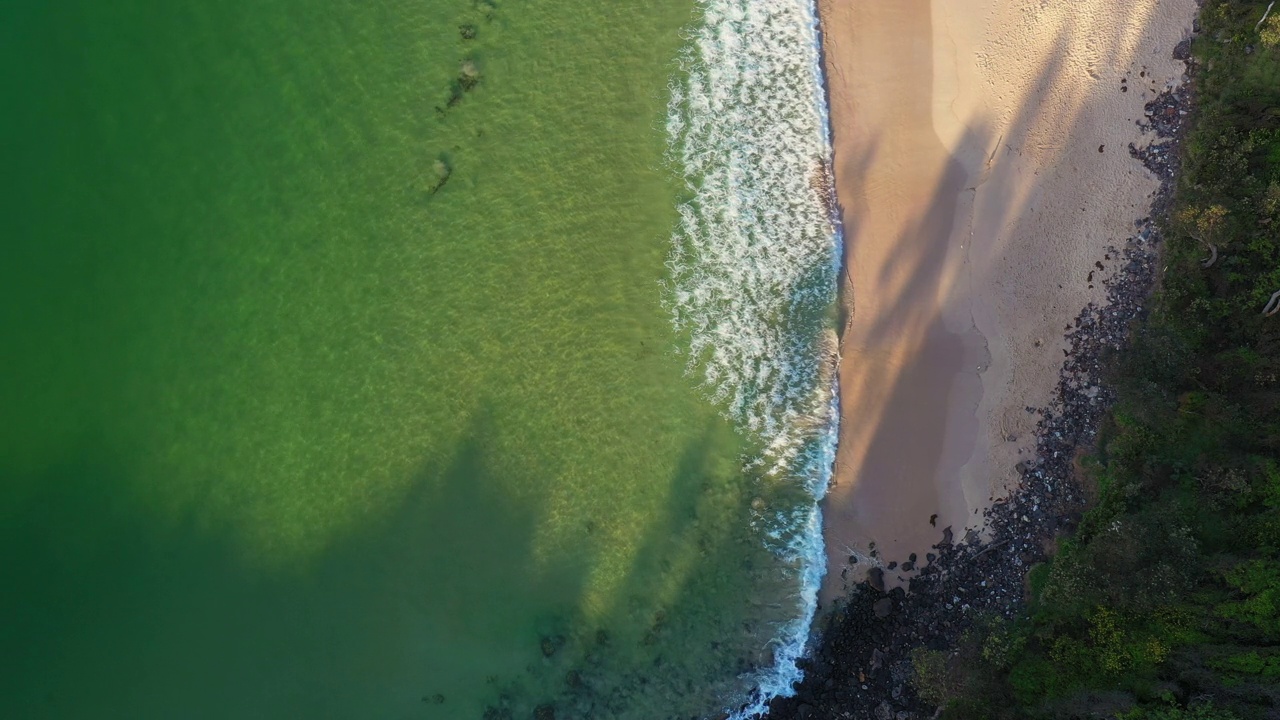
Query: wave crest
{"x":754,"y":259}
{"x":754,"y":262}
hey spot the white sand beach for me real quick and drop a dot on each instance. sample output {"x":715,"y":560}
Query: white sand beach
{"x":982,"y":166}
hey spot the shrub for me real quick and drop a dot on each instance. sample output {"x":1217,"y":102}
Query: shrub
{"x":1002,"y":645}
{"x":1259,"y":582}
{"x":1251,"y":663}
{"x":937,"y":681}
{"x":1200,"y":711}
{"x":1269,"y":33}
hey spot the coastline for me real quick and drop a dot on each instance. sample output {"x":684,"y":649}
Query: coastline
{"x":972,"y":141}
{"x":872,"y":632}
{"x":752,"y":289}
{"x":950,"y":230}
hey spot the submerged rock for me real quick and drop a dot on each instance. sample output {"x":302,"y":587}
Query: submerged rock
{"x":497,"y":713}
{"x":468,"y":75}
{"x":550,"y":645}
{"x":440,"y":171}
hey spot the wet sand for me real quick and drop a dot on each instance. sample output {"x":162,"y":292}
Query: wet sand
{"x":982,"y":169}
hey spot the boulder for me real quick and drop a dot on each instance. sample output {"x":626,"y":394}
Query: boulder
{"x":883,"y":607}
{"x":875,"y":578}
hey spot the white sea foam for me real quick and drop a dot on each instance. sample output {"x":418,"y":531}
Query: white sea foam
{"x":801,"y":536}
{"x":754,"y":262}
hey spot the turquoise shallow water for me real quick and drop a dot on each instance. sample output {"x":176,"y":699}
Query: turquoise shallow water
{"x":292,"y":429}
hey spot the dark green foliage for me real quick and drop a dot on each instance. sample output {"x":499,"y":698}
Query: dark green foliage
{"x":1257,"y":583}
{"x":1201,"y":711}
{"x":1165,"y":604}
{"x":938,"y":679}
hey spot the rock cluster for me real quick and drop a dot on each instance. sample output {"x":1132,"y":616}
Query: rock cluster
{"x":1166,"y":116}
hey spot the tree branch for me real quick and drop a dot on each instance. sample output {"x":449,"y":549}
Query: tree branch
{"x":1264,"y":17}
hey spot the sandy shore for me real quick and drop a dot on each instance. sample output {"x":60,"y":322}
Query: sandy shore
{"x":982,"y":166}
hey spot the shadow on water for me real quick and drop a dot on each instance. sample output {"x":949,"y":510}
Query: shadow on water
{"x":436,"y":611}
{"x":693,"y":616}
{"x":110,"y":613}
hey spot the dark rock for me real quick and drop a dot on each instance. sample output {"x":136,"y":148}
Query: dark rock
{"x":875,"y":577}
{"x":1182,"y":51}
{"x":946,"y":535}
{"x":883,"y":607}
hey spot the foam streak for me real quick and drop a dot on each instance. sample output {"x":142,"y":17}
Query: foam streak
{"x":754,"y":262}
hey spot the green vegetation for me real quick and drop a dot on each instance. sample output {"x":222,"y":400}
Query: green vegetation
{"x":1165,"y":604}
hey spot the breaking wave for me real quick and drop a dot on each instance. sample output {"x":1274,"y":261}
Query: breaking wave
{"x":754,"y":262}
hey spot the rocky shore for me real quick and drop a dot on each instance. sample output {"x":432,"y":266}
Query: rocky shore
{"x":861,"y":665}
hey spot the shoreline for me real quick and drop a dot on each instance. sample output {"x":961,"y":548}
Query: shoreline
{"x":959,"y":534}
{"x":969,"y":140}
{"x":871,"y":633}
{"x":751,"y":111}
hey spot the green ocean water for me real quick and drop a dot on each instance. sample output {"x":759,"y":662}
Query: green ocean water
{"x":289,"y":429}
